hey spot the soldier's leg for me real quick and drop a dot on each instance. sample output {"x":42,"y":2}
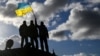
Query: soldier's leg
{"x":46,"y":45}
{"x":41,"y":42}
{"x":32,"y":42}
{"x":26,"y":40}
{"x":36,"y":43}
{"x":22,"y":42}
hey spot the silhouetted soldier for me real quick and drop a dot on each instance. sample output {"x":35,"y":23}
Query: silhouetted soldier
{"x":33,"y":34}
{"x":23,"y":33}
{"x":43,"y":33}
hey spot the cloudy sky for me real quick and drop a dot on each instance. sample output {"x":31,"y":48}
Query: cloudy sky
{"x":73,"y":25}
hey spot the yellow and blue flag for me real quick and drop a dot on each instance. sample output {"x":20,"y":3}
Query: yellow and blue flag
{"x":23,"y":9}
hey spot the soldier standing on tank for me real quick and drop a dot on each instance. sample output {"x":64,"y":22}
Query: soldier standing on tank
{"x":33,"y":34}
{"x":23,"y":31}
{"x":43,"y":34}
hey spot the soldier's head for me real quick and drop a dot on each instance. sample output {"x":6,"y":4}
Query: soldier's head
{"x":24,"y":22}
{"x":42,"y":23}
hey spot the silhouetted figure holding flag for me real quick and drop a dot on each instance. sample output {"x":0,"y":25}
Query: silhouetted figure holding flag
{"x":23,"y":33}
{"x":43,"y":33}
{"x":33,"y":34}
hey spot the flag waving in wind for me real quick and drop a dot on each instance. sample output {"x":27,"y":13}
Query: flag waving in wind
{"x":23,"y":9}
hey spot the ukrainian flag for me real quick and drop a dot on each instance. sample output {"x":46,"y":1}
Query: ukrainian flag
{"x":23,"y":8}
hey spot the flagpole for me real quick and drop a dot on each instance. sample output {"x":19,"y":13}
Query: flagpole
{"x":35,"y":18}
{"x":34,"y":15}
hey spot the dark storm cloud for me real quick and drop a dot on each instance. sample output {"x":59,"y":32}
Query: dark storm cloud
{"x":83,"y":24}
{"x":60,"y":34}
{"x":89,"y":18}
{"x":53,"y":6}
{"x":10,"y":10}
{"x":3,"y":2}
{"x":57,"y":3}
